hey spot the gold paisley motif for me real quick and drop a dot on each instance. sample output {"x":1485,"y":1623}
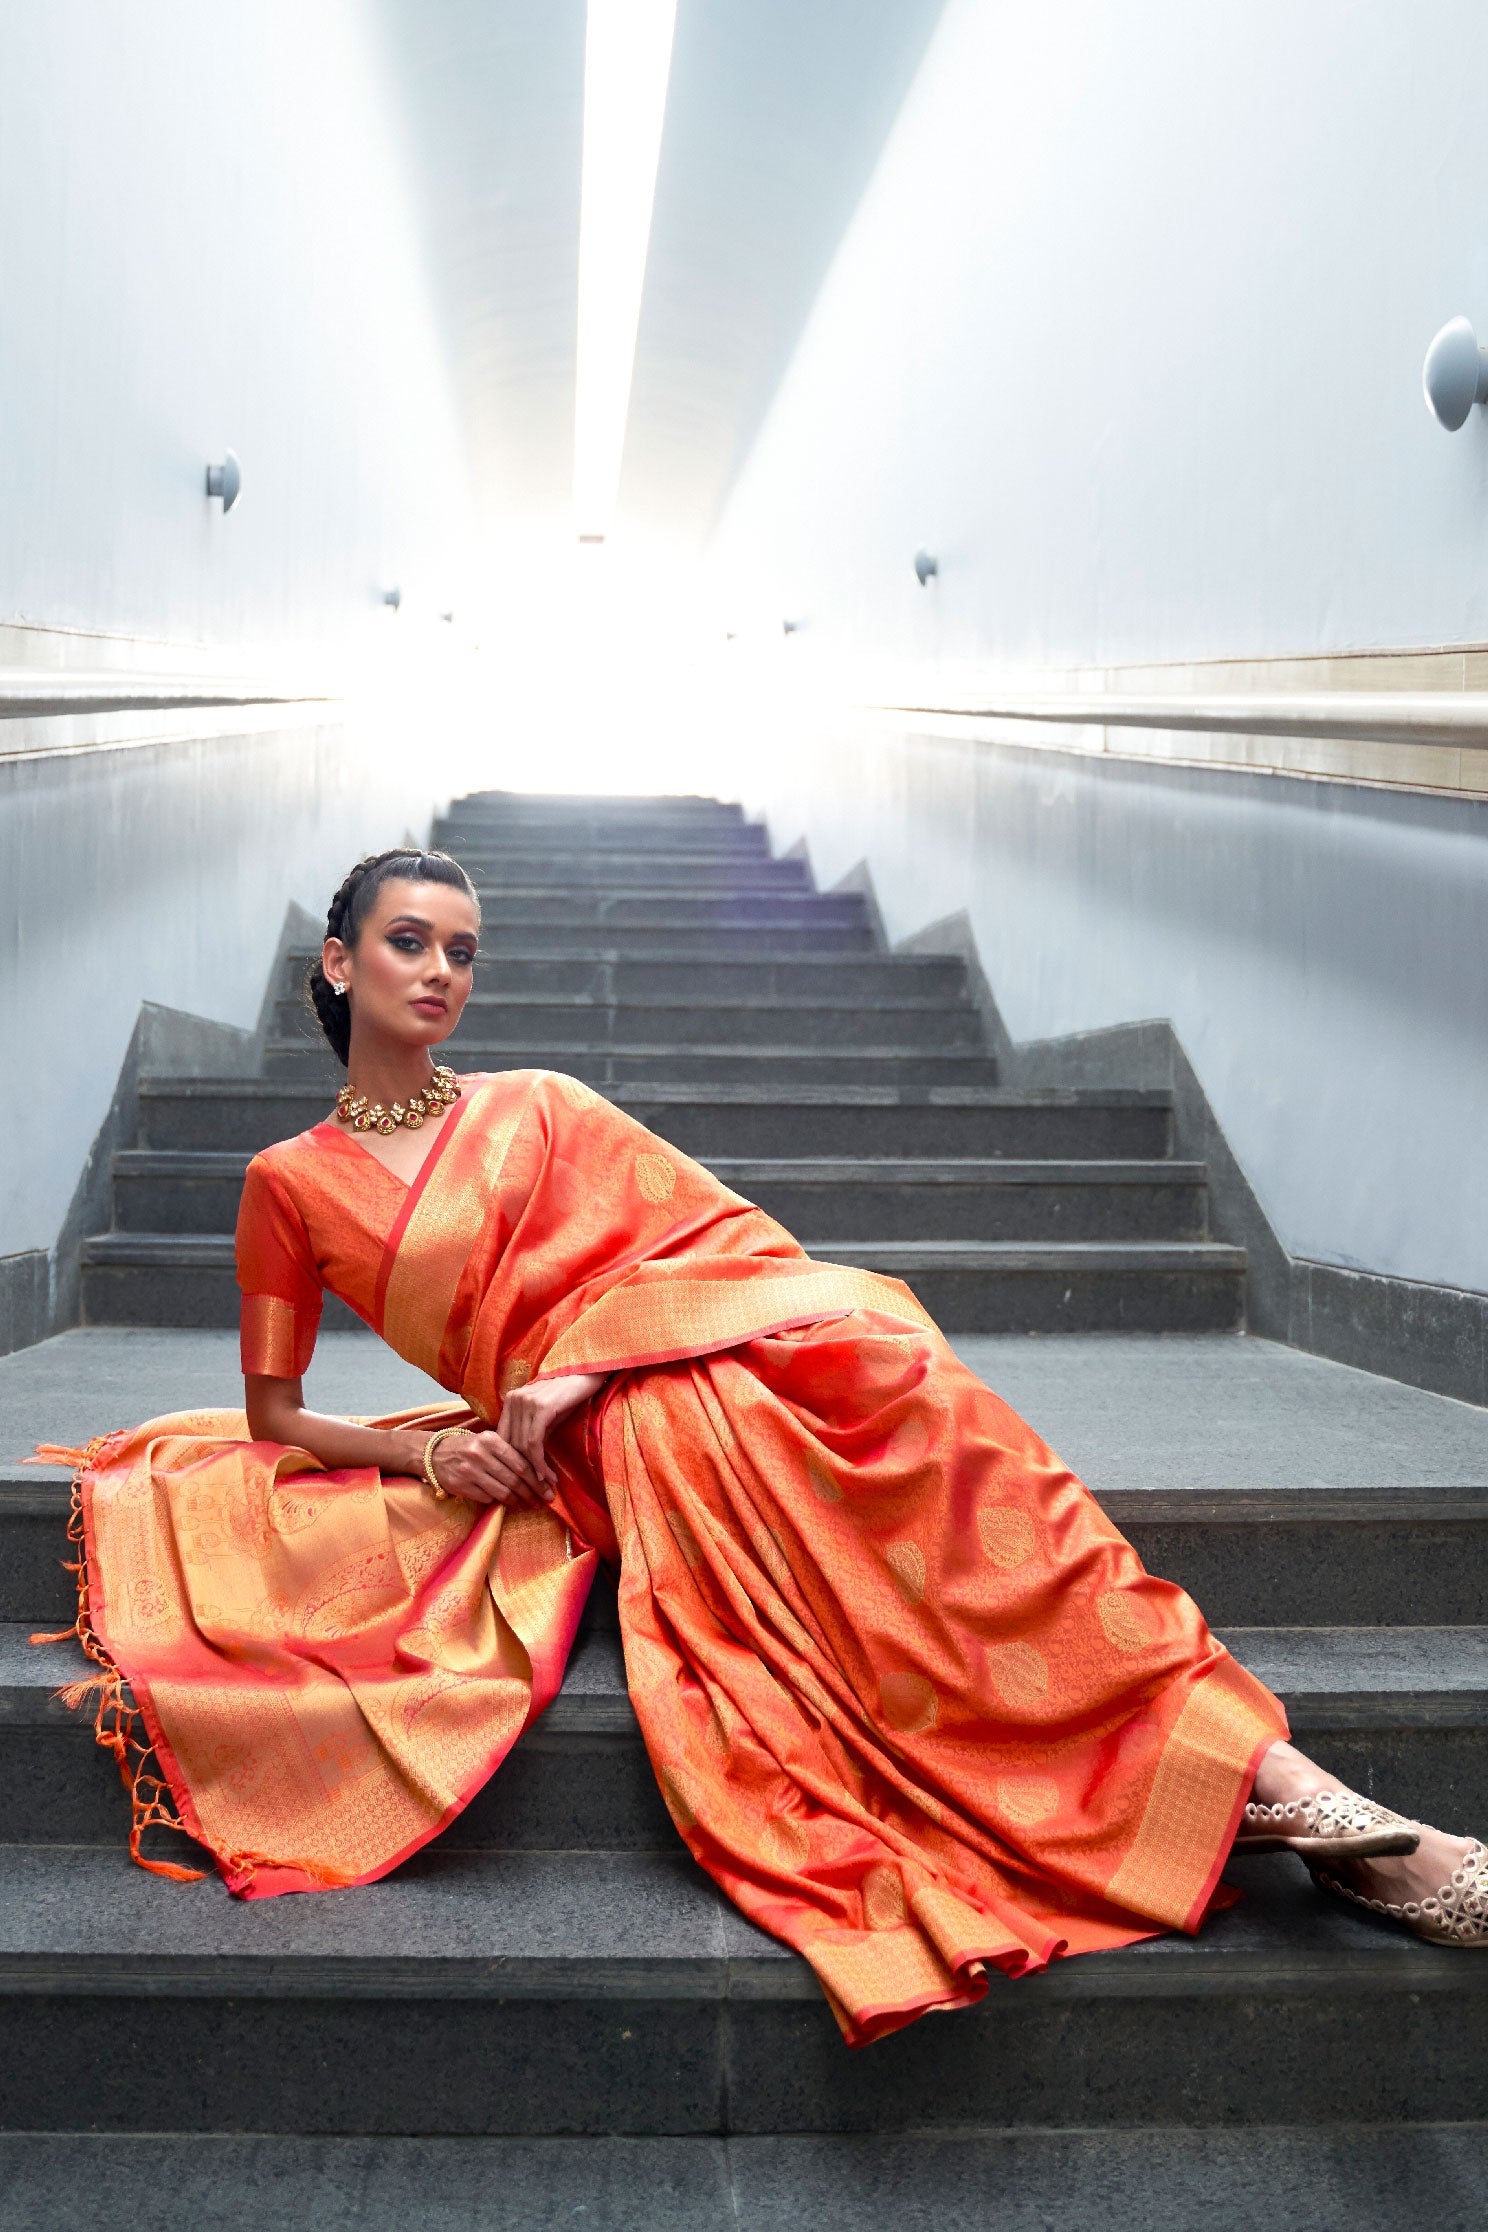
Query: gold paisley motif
{"x":576,"y":1094}
{"x":907,"y":1564}
{"x":1124,"y":1620}
{"x":1008,"y":1535}
{"x":909,"y":1702}
{"x":1027,"y":1798}
{"x":350,"y":1592}
{"x":656,"y":1175}
{"x":1020,"y":1672}
{"x":786,"y":1843}
{"x":883,"y":1899}
{"x":910,"y":1440}
{"x":514,"y":1373}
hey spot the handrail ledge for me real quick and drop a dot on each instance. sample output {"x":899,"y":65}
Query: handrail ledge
{"x":1454,"y":717}
{"x":36,"y":692}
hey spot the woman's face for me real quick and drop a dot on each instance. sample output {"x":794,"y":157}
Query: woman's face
{"x":410,"y":972}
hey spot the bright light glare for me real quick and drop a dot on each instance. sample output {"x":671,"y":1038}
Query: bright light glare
{"x":627,"y":59}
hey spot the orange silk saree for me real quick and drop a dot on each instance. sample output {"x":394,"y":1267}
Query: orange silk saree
{"x":910,"y":1697}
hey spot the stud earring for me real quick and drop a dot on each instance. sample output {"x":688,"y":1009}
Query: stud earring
{"x":340,"y":989}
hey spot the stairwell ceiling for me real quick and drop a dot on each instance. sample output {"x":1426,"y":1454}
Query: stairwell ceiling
{"x":776,"y":114}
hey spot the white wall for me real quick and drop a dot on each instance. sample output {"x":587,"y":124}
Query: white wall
{"x":205,"y":240}
{"x":1128,"y":331}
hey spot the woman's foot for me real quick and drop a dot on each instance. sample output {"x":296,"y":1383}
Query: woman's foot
{"x":1440,"y":1891}
{"x":1296,"y":1807}
{"x":1438,"y":1888}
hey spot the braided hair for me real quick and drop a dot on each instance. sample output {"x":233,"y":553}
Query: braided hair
{"x":350,"y":909}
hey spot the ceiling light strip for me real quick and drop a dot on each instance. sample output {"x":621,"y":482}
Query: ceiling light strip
{"x":627,"y":61}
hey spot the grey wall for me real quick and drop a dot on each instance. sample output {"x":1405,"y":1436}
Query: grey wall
{"x":157,"y":875}
{"x":1318,"y":948}
{"x":1128,"y":329}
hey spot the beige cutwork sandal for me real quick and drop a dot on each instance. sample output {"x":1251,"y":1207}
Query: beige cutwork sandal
{"x":1457,"y":1915}
{"x":1330,"y":1825}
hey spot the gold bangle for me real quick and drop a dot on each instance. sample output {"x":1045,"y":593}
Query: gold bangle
{"x":430,"y":1446}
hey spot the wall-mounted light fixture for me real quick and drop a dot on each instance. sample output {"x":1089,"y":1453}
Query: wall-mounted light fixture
{"x":790,"y":627}
{"x":225,"y":480}
{"x":926,"y":567}
{"x":393,"y":597}
{"x":1455,"y":375}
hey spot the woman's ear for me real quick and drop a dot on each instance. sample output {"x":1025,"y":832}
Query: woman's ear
{"x":333,"y":960}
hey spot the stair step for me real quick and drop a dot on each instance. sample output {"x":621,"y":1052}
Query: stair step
{"x":609,"y":1067}
{"x":578,"y":1781}
{"x":911,"y":1202}
{"x":534,"y":856}
{"x":1401,"y":1712}
{"x":1134,"y":1286}
{"x":596,"y":1926}
{"x":174,"y":1278}
{"x":684,"y":976}
{"x":616,"y":1991}
{"x":717,"y":828}
{"x":183,"y":1191}
{"x":1368,"y":1557}
{"x":769,"y":1118}
{"x":1376,"y":2178}
{"x":620,"y":873}
{"x":707,"y":832}
{"x":745,"y":944}
{"x":671,"y":910}
{"x":1411,"y":1556}
{"x":517,"y":1018}
{"x":610,"y":809}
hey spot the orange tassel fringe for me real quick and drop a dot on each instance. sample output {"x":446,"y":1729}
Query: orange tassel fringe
{"x":118,"y":1724}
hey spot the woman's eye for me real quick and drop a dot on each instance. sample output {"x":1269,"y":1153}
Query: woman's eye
{"x":462,"y":959}
{"x":406,"y":942}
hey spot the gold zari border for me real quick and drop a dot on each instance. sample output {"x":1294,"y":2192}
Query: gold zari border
{"x":1191,"y":1807}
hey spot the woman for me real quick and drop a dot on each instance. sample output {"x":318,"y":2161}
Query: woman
{"x":910,"y":1697}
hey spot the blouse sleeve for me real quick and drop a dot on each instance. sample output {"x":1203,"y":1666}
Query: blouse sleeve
{"x":281,"y":1287}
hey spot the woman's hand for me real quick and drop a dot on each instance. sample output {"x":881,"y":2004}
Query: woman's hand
{"x":529,"y":1415}
{"x":480,"y":1466}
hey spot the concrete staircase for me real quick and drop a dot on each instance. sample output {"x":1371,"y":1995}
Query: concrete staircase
{"x":660,"y":954}
{"x":557,"y":1966}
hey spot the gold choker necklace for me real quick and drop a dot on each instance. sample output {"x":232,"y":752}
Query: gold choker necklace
{"x":363,"y":1115}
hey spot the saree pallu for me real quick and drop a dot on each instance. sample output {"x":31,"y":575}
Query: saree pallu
{"x":910,"y":1698}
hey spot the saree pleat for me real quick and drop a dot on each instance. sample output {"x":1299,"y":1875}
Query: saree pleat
{"x":910,"y":1697}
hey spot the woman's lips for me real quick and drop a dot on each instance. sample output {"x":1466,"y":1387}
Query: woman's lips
{"x":431,"y":1007}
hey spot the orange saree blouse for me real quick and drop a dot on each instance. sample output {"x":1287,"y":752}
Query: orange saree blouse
{"x":910,"y":1697}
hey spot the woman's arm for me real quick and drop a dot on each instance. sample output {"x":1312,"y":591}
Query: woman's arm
{"x":484,"y":1468}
